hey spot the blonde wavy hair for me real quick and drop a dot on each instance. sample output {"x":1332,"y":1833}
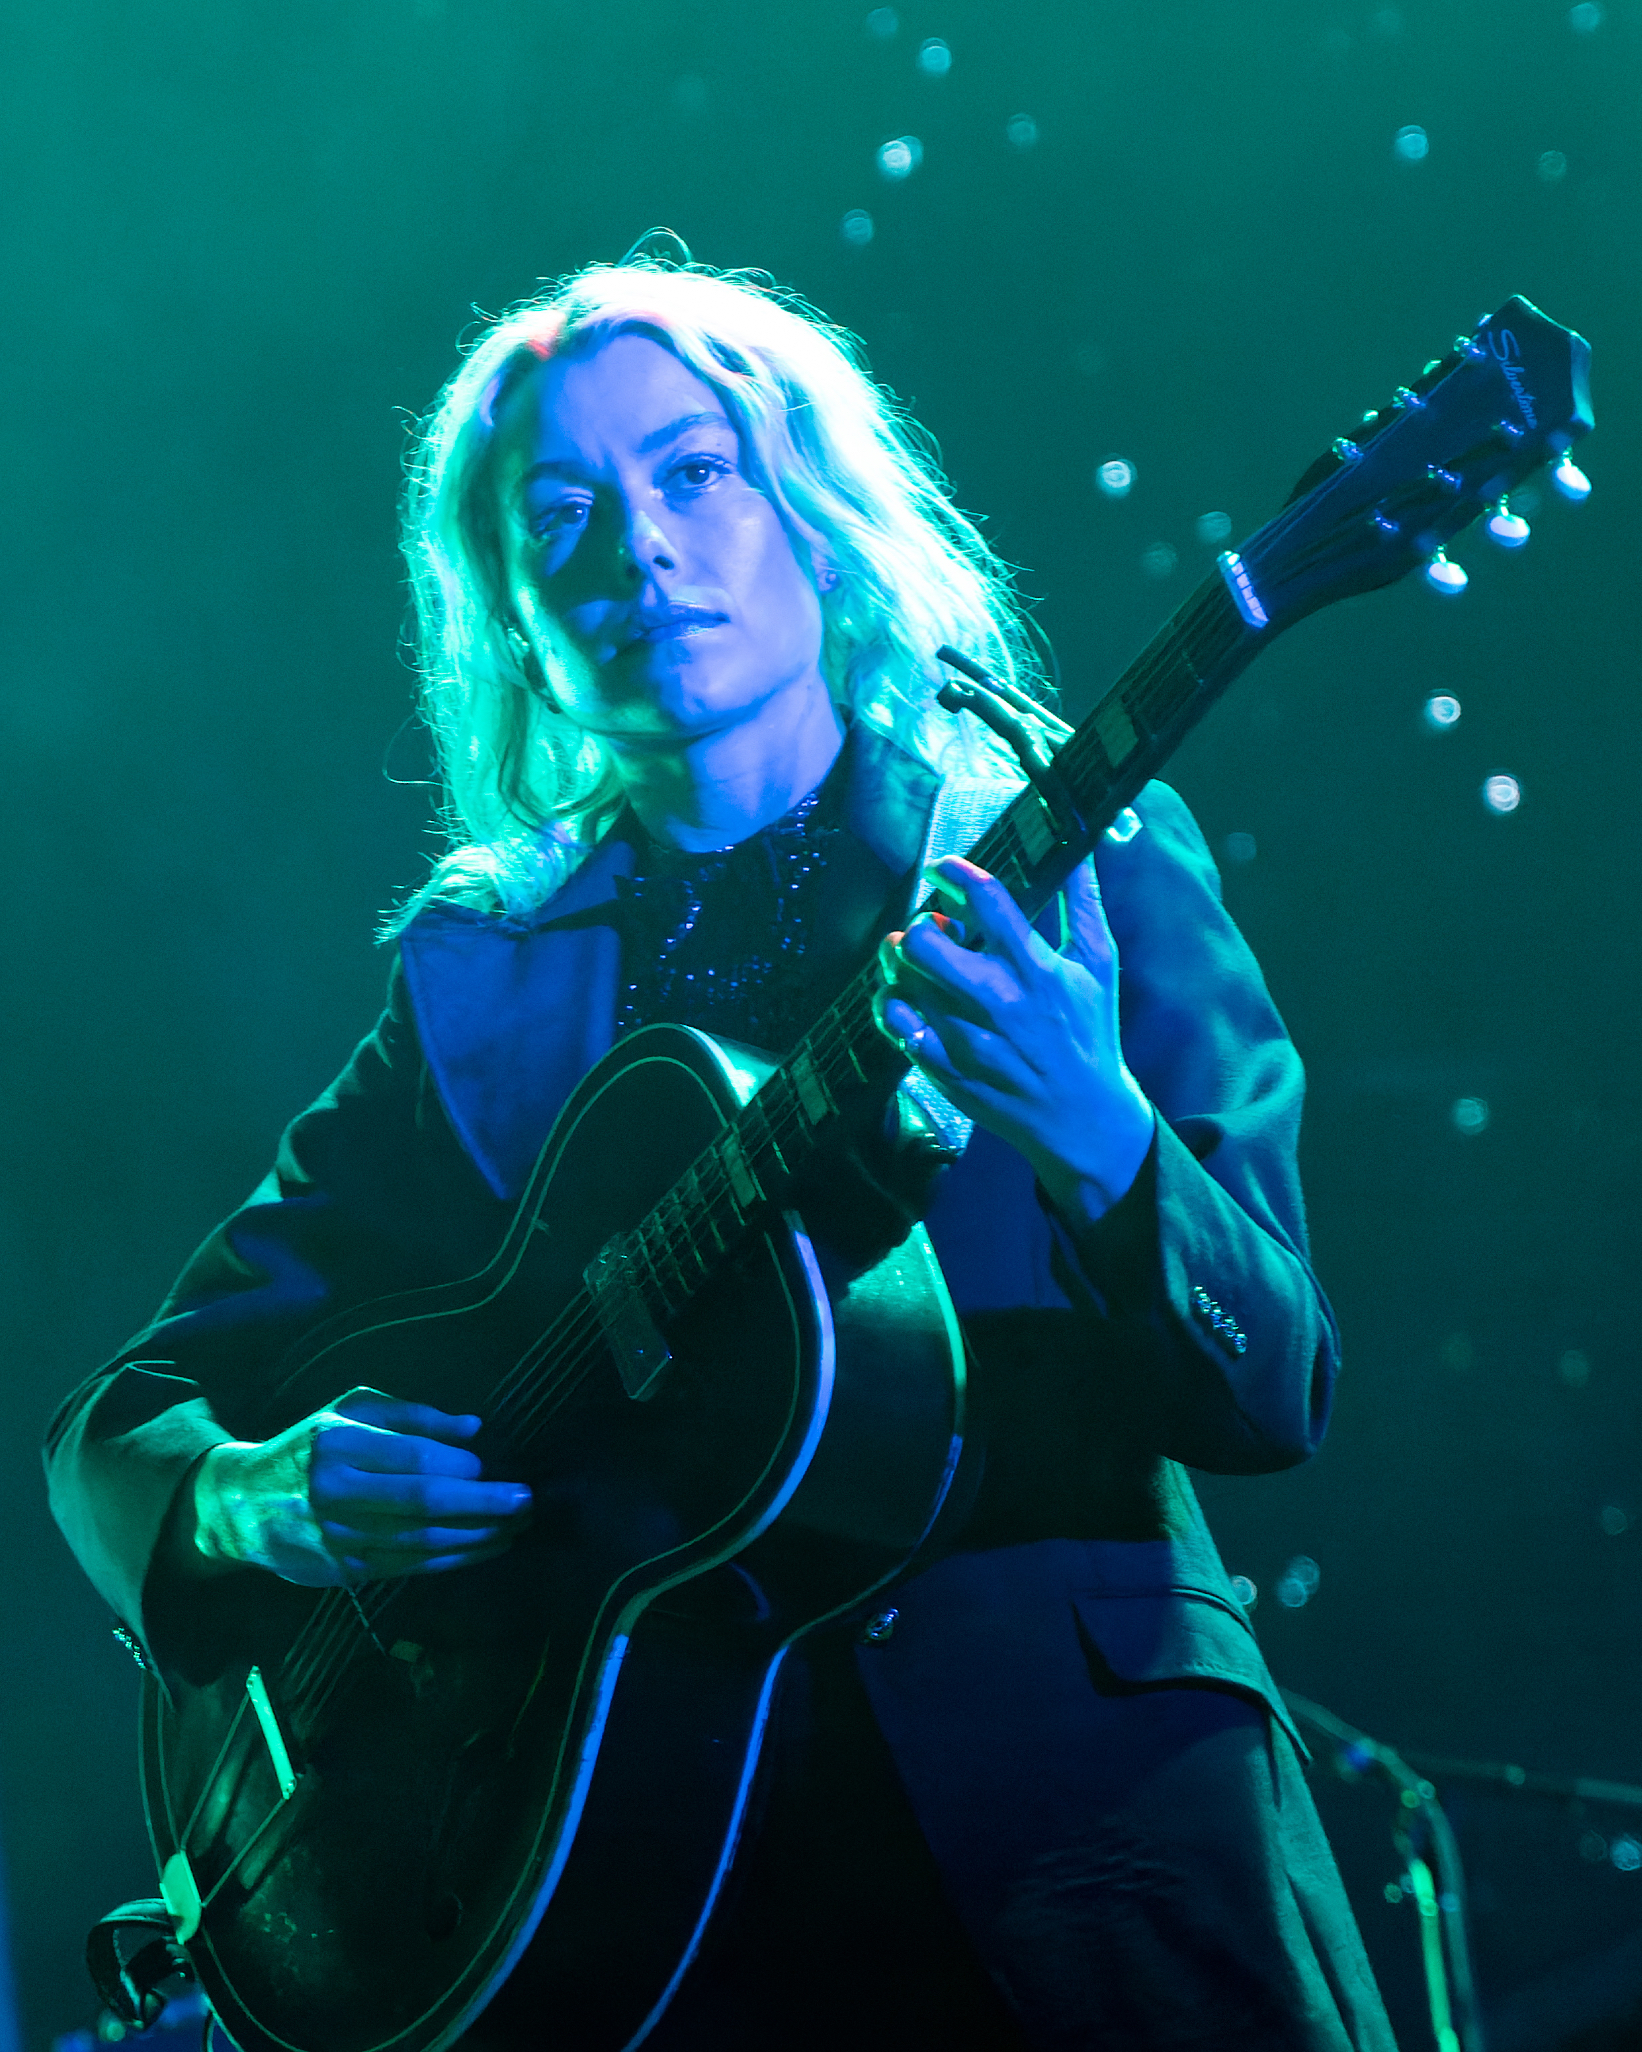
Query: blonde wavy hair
{"x":525,"y":792}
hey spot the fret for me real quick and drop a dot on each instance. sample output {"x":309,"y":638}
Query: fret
{"x":723,"y":1203}
{"x":695,"y":1213}
{"x":655,"y":1258}
{"x":743,"y":1182}
{"x":756,"y":1115}
{"x":1115,"y":730}
{"x":1035,"y":829}
{"x":683,"y":1233}
{"x":814,"y":1098}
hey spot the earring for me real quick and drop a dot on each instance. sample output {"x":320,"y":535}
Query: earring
{"x":827,"y":579}
{"x":529,"y":663}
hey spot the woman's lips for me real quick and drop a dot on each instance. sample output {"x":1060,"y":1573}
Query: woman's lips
{"x":675,"y":621}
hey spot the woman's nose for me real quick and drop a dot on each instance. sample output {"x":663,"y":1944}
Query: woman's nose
{"x":645,"y":546}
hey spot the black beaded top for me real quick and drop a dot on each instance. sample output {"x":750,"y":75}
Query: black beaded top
{"x":736,"y":941}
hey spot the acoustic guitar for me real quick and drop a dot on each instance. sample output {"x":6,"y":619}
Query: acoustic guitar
{"x":381,"y":1797}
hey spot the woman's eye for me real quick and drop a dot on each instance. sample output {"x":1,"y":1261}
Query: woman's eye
{"x":563,"y":518}
{"x":694,"y":472}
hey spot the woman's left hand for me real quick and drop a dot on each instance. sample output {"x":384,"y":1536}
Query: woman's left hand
{"x":1023,"y":1039}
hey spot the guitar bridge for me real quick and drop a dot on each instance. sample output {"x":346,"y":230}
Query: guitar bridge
{"x":624,"y":1317}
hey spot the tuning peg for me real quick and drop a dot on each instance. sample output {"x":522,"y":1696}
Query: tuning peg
{"x":1509,"y":529}
{"x":1570,"y":480}
{"x":1442,"y":575}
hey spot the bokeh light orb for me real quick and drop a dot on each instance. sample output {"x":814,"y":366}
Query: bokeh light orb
{"x":1501,"y":793}
{"x":1470,"y":1114}
{"x":1298,"y":1582}
{"x":900,"y":157}
{"x":1442,"y":711}
{"x":883,"y":22}
{"x":856,"y":228}
{"x":1115,"y":478}
{"x":1553,"y":166}
{"x":1586,"y":18}
{"x":1159,"y":560}
{"x":934,"y":57}
{"x":1213,"y":529}
{"x":1412,"y":144}
{"x":1021,"y":130}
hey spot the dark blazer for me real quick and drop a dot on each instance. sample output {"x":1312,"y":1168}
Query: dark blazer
{"x":1186,"y":1327}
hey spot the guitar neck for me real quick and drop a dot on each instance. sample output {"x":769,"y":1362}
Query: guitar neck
{"x":1122,"y":744}
{"x":797,"y":1113}
{"x":1376,"y":507}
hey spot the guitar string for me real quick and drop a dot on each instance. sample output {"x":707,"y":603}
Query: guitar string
{"x":209,"y":1782}
{"x":226,"y":1875}
{"x":328,"y":1627}
{"x":575,"y":1338}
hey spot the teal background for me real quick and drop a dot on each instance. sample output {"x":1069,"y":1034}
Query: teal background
{"x":238,"y":246}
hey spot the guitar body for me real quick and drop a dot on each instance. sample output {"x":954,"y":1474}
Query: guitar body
{"x":555,"y":1745}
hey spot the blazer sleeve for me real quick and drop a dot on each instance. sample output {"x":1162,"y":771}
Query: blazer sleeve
{"x":1202,"y":1272}
{"x":370,"y":1192}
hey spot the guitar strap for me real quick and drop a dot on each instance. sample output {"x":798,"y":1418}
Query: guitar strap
{"x":130,"y":1955}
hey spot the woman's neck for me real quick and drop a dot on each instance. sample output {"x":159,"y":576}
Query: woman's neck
{"x":720,"y":788}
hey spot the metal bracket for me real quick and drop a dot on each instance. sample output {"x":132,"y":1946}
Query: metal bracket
{"x":1002,"y":709}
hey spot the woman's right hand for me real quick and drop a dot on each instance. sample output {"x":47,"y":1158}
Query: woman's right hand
{"x":365,"y":1489}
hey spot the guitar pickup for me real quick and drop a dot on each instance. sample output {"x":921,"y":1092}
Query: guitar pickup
{"x":624,"y":1318}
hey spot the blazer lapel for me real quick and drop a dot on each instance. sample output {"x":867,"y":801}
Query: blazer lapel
{"x":512,"y":1015}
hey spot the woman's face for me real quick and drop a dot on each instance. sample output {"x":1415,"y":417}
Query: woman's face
{"x":655,"y":582}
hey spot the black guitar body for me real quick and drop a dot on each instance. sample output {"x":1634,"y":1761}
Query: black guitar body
{"x":527,"y":1749}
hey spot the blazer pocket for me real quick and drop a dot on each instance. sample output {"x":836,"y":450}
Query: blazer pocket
{"x":1150,"y":1638}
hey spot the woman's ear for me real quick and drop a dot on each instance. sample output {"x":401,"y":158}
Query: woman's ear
{"x":826,"y":575}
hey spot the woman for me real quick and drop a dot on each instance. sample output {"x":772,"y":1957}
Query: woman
{"x":679,"y":573}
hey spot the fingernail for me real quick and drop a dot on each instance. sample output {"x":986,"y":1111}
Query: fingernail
{"x":953,"y":886}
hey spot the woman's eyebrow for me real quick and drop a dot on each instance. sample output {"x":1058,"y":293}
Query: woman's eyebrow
{"x":674,"y":428}
{"x":553,"y":468}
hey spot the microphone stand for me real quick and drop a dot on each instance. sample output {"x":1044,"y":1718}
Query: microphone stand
{"x":1425,"y":1841}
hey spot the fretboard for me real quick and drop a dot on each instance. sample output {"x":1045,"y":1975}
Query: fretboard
{"x":1032,"y":848}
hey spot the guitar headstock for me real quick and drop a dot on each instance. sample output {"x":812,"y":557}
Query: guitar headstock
{"x":1449,"y":447}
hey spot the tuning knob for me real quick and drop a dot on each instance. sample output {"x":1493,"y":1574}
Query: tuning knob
{"x":1570,"y":480}
{"x":1509,"y":529}
{"x":1448,"y":578}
